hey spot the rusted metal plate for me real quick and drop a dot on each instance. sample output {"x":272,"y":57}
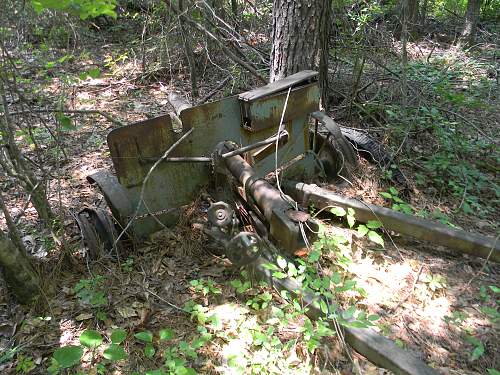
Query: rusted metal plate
{"x":115,"y":194}
{"x":221,"y":120}
{"x":129,"y":144}
{"x":266,"y":112}
{"x":169,"y":186}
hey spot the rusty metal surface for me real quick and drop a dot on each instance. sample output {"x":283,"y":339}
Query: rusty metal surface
{"x":281,"y":85}
{"x":134,"y":149}
{"x":98,"y":232}
{"x":298,"y":216}
{"x":283,"y":230}
{"x":114,"y":193}
{"x":266,"y":112}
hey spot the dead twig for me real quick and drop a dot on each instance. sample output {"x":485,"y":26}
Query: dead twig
{"x":214,"y":91}
{"x":225,"y":49}
{"x":408,"y":295}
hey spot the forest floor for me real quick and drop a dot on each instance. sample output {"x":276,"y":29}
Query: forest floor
{"x":430,"y":300}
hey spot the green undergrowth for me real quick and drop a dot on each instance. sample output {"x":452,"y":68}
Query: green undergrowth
{"x":260,"y":330}
{"x":443,"y":136}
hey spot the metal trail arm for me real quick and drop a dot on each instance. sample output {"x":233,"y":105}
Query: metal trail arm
{"x":436,"y":233}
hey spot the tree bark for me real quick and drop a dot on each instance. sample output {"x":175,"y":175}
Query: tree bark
{"x":408,"y":13}
{"x":325,"y":30}
{"x":13,"y":232}
{"x":468,"y":36}
{"x":18,"y":271}
{"x":296,"y":36}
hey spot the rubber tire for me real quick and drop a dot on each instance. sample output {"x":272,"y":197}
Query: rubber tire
{"x":374,"y":152}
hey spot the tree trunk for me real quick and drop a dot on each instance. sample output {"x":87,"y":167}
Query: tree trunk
{"x":408,"y":14}
{"x":325,"y":30}
{"x":19,"y":274}
{"x":13,"y":232}
{"x":468,"y":36}
{"x":296,"y":36}
{"x":413,"y":13}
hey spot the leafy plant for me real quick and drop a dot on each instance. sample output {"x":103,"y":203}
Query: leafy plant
{"x":457,"y":318}
{"x":90,"y":339}
{"x":368,"y":229}
{"x":25,"y":364}
{"x":128,"y":265}
{"x":397,"y":203}
{"x":81,"y":8}
{"x":434,"y":281}
{"x":205,"y":287}
{"x":478,"y":350}
{"x":67,"y":356}
{"x":91,"y":291}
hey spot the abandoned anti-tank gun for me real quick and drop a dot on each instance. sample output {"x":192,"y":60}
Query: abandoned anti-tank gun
{"x":248,"y":151}
{"x":227,"y":146}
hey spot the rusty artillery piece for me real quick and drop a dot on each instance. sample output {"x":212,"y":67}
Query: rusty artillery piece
{"x":228,"y":147}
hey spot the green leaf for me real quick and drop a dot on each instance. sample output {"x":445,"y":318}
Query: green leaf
{"x":156,"y":372}
{"x":90,"y":338}
{"x":323,"y":306}
{"x":166,"y":334}
{"x":292,"y":270}
{"x":351,"y":220}
{"x":338,"y":211}
{"x":65,"y":122}
{"x":373,"y":224}
{"x":336,"y":278}
{"x":280,"y":275}
{"x":94,"y":73}
{"x":393,"y":190}
{"x":373,"y":317}
{"x":492,"y":371}
{"x":477,"y":352}
{"x":271,"y":266}
{"x":314,"y":256}
{"x":397,"y":199}
{"x":118,"y":336}
{"x":68,"y":356}
{"x":145,"y":336}
{"x":494,"y":289}
{"x":375,"y":237}
{"x":349,"y":313}
{"x":386,"y":195}
{"x":114,"y":352}
{"x":282,"y":263}
{"x":149,"y":350}
{"x":362,"y":230}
